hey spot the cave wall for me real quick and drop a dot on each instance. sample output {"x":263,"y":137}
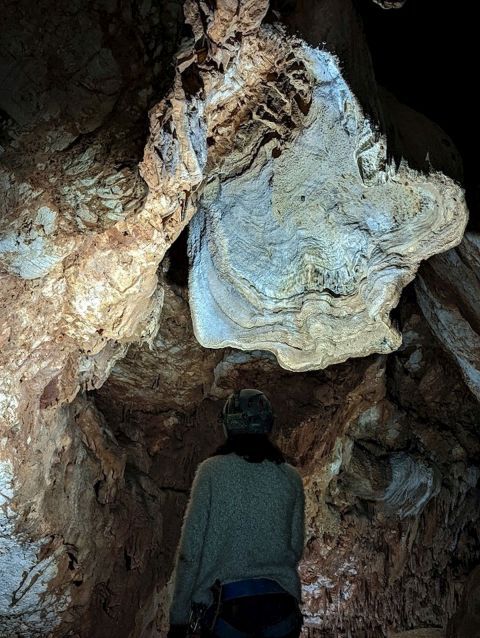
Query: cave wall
{"x":388,"y":448}
{"x":108,"y":397}
{"x":78,"y":260}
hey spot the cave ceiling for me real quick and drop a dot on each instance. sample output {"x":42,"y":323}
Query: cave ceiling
{"x":199,"y":197}
{"x":305,"y":232}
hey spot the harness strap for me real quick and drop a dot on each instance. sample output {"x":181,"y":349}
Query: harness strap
{"x":223,"y":629}
{"x":250,"y":587}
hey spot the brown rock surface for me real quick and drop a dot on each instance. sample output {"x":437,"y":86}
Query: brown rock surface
{"x":448,"y":290}
{"x":107,"y":400}
{"x":466,"y":621}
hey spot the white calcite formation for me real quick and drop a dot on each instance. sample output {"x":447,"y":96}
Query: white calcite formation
{"x":448,"y":292}
{"x":412,"y":485}
{"x":25,"y":575}
{"x":302,"y":246}
{"x":304,"y":232}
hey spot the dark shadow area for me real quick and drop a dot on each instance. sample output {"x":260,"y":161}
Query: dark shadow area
{"x":424,"y":54}
{"x":177,"y":272}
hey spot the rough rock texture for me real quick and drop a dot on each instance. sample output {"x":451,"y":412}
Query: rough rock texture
{"x":78,"y":260}
{"x":466,"y":621}
{"x":274,"y":143}
{"x":174,"y":360}
{"x":399,"y":485}
{"x":390,"y":473}
{"x":107,"y":399}
{"x":420,"y":633}
{"x":448,"y":289}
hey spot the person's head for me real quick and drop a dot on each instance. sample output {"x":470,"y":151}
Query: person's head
{"x":247,"y":411}
{"x":247,"y":419}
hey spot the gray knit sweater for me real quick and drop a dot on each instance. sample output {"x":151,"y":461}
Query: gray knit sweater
{"x":243,"y":520}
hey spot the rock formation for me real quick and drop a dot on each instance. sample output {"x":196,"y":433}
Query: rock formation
{"x":466,"y":621}
{"x":258,"y":234}
{"x":305,"y":233}
{"x":448,"y":289}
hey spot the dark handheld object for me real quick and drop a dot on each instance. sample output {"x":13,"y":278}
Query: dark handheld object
{"x":199,"y":618}
{"x":197,"y":614}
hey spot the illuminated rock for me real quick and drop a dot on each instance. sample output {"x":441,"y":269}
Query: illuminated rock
{"x":107,"y":400}
{"x":305,"y":233}
{"x":448,"y":290}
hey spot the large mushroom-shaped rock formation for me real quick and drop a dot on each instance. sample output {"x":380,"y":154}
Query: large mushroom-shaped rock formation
{"x":305,"y":232}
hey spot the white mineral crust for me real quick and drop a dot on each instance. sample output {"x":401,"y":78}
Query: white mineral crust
{"x":303,"y":252}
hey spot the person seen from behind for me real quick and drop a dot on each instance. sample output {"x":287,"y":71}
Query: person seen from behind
{"x":242,"y":535}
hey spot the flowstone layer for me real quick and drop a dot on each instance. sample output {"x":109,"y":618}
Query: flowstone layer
{"x":306,"y":251}
{"x":305,"y":233}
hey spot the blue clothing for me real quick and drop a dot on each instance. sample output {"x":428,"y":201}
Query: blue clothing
{"x":243,"y":520}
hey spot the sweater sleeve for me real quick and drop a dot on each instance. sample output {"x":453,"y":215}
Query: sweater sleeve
{"x":189,"y":551}
{"x":298,"y":520}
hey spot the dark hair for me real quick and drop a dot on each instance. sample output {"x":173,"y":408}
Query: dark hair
{"x":254,"y":448}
